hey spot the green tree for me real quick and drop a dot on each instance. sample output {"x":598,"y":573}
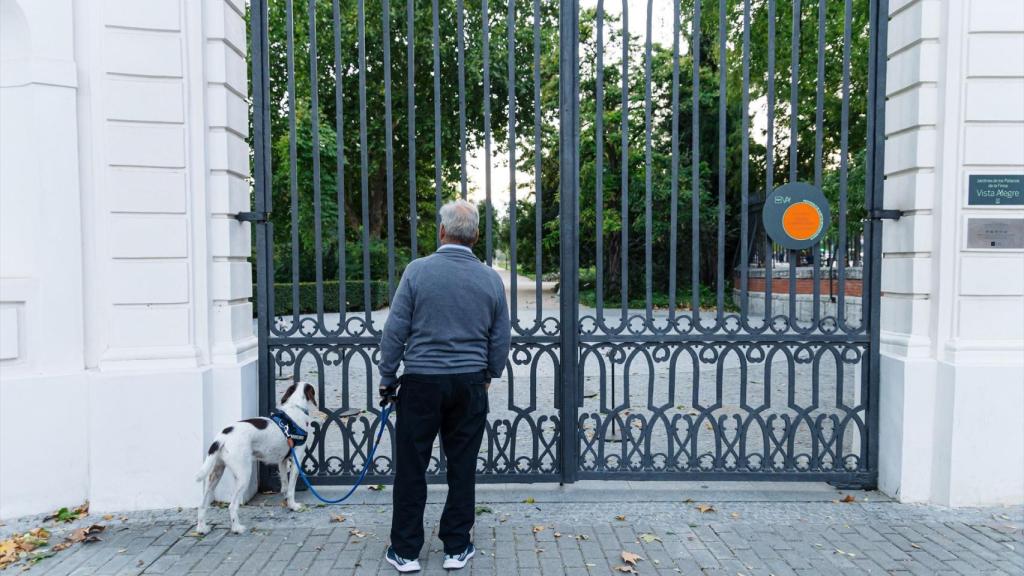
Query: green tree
{"x":299,"y":207}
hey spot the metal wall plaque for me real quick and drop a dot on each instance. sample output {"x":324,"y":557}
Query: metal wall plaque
{"x":995,"y":233}
{"x":995,"y":189}
{"x":796,"y":215}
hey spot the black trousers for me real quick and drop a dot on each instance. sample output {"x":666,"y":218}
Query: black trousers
{"x":456,"y":406}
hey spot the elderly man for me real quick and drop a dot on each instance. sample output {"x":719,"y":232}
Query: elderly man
{"x":449,"y":325}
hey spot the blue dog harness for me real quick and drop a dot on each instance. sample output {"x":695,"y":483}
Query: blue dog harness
{"x":288,"y":426}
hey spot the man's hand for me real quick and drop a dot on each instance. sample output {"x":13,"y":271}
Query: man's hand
{"x":388,"y":394}
{"x":487,"y":384}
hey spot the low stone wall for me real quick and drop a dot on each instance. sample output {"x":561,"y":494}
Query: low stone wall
{"x":828,"y":297}
{"x":804,"y":306}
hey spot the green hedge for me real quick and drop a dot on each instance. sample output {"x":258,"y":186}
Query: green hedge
{"x":307,"y":296}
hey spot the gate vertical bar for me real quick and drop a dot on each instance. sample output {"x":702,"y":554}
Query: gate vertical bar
{"x":293,"y":154}
{"x":568,"y":104}
{"x":314,"y":112}
{"x":538,"y":199}
{"x":878,"y":31}
{"x":485,"y":25}
{"x":261,"y":171}
{"x":410,"y":82}
{"x":340,"y":160}
{"x":389,"y":144}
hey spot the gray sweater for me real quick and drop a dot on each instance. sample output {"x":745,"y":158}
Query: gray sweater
{"x":448,"y":316}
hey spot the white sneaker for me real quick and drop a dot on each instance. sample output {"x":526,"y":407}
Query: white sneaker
{"x":460,"y":560}
{"x":401,"y":564}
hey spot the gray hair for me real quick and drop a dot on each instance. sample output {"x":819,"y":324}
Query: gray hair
{"x":461,"y":222}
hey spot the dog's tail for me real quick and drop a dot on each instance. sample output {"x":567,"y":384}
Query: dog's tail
{"x":211,"y":460}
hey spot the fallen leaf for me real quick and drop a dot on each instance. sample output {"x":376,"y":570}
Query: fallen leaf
{"x":338,"y":518}
{"x":688,"y":501}
{"x":108,"y":517}
{"x":376,"y":487}
{"x":840,"y":552}
{"x":582,"y":537}
{"x":630,"y":557}
{"x":483,"y":510}
{"x":705,"y":508}
{"x":37,"y":557}
{"x":538,"y":528}
{"x":620,"y":517}
{"x":912,"y":545}
{"x":529,"y":500}
{"x":87,"y":534}
{"x":648,"y":538}
{"x":849,"y":498}
{"x":20,"y":546}
{"x":357,"y":533}
{"x":625,"y":568}
{"x":734,"y":515}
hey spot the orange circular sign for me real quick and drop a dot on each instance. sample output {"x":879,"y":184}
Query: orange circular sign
{"x":802,"y":220}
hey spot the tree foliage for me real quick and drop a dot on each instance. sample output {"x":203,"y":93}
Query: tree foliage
{"x":341,"y":109}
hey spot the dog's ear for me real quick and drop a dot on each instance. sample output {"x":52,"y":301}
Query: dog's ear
{"x":288,"y":394}
{"x":310,"y":393}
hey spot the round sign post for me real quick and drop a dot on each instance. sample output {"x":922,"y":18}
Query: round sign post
{"x":796,"y":215}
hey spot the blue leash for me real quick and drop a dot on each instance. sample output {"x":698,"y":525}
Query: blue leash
{"x":369,"y":460}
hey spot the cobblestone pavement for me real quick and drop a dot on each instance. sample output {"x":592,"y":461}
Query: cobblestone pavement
{"x":753,"y":529}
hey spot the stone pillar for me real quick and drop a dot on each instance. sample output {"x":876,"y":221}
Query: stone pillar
{"x":43,"y":388}
{"x":952,"y":332}
{"x":130,"y":274}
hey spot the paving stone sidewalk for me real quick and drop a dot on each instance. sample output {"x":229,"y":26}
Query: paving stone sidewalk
{"x":753,"y":529}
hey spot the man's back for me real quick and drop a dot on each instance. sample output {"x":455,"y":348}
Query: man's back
{"x":450,"y":313}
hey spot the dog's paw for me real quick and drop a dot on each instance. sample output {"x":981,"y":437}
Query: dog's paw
{"x":238,"y":529}
{"x":296,"y":507}
{"x":203,"y":528}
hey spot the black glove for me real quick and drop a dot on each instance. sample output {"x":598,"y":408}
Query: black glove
{"x":388,"y":394}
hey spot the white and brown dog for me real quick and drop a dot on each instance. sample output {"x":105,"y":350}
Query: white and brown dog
{"x":260,"y":440}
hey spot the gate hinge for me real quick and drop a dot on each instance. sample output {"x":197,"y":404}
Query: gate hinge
{"x":885,"y":214}
{"x":255,"y":217}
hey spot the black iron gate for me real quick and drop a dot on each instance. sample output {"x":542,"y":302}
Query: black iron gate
{"x":696,"y":347}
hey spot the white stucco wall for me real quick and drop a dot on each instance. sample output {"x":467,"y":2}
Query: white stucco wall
{"x":952,"y":372}
{"x":125,"y":323}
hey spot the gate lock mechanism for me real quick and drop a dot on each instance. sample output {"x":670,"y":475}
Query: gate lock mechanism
{"x":884,"y":214}
{"x":254,"y":217}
